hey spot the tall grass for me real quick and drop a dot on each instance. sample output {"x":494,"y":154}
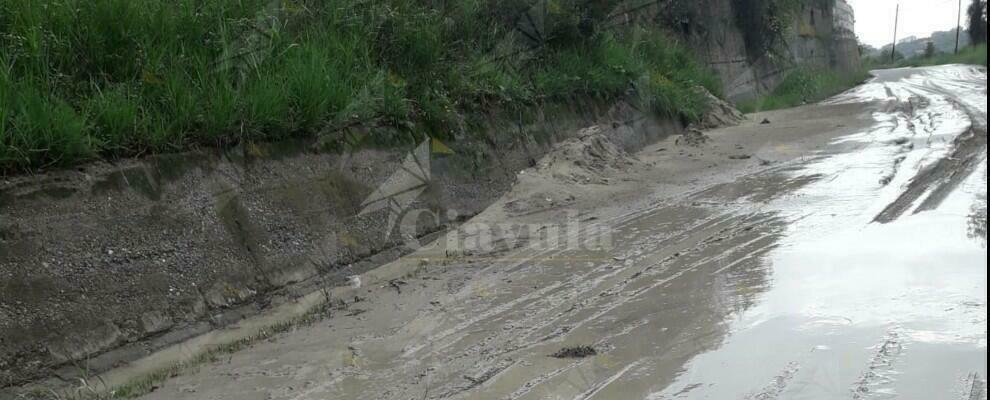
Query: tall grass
{"x":87,"y":79}
{"x":804,"y":85}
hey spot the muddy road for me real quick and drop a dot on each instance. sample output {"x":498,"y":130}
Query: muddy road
{"x":836,"y":252}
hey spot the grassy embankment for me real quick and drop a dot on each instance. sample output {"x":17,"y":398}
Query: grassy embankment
{"x":805,"y":85}
{"x":972,"y":55}
{"x":88,"y":79}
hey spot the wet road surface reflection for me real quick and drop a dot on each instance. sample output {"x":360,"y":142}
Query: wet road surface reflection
{"x":862,"y":309}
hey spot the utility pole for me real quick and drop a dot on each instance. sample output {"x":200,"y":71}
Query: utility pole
{"x":958,"y":25}
{"x":893,"y":46}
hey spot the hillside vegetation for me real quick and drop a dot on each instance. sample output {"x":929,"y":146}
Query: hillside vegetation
{"x":944,"y":42}
{"x":973,"y":55}
{"x":87,"y":79}
{"x":805,"y":85}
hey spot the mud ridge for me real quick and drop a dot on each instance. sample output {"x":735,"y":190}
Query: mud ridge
{"x":942,"y":177}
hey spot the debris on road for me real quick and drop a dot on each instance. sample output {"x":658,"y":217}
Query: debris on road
{"x":575,"y":352}
{"x":692,"y":137}
{"x":720,"y":113}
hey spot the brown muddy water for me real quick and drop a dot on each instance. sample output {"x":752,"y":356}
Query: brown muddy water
{"x":845,"y":259}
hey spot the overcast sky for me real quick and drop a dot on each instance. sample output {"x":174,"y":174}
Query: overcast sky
{"x":875,"y":18}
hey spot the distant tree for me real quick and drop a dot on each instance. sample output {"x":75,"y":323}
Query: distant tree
{"x":930,"y":49}
{"x":977,"y":21}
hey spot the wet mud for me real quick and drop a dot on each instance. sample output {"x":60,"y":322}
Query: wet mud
{"x":844,"y":258}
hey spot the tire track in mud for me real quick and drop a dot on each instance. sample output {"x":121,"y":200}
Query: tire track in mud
{"x":545,"y":296}
{"x":484,"y":346}
{"x":970,"y":150}
{"x":534,"y":317}
{"x":605,"y":303}
{"x":527,"y":321}
{"x":977,"y":387}
{"x":624,"y":293}
{"x":941,"y":178}
{"x":531,"y":310}
{"x":595,"y":389}
{"x":879,"y":377}
{"x":775,"y":388}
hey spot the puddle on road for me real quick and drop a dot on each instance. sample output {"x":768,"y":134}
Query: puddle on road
{"x":859,"y":309}
{"x":908,"y":297}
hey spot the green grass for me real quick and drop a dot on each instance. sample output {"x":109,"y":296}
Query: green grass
{"x":805,"y":85}
{"x":972,"y":55}
{"x":88,"y":79}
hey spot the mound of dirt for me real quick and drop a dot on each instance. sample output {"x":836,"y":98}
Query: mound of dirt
{"x":587,"y":158}
{"x":719,"y":112}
